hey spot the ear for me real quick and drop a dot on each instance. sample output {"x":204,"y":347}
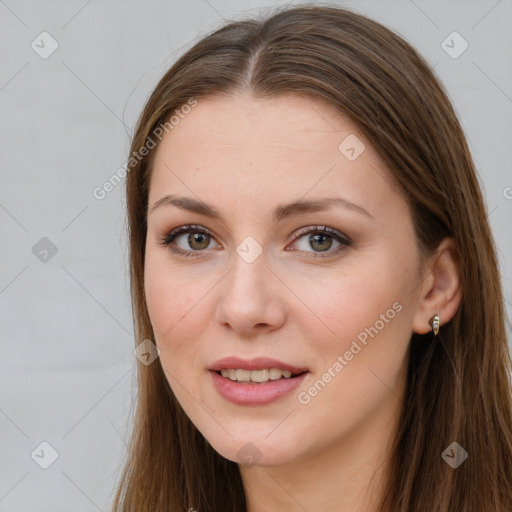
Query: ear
{"x":441,"y":290}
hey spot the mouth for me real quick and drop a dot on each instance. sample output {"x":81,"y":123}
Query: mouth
{"x":263,"y":390}
{"x":246,"y":376}
{"x":257,"y":381}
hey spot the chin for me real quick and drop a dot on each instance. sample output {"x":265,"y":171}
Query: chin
{"x":253,"y":449}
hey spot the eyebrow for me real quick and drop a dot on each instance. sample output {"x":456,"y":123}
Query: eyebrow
{"x":281,"y":212}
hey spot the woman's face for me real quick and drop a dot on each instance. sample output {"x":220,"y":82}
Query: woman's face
{"x":264,"y":288}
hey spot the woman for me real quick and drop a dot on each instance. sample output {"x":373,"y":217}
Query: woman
{"x":311,"y":255}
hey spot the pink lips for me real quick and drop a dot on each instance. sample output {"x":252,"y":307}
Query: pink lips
{"x":255,"y":394}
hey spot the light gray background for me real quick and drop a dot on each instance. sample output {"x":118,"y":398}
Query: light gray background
{"x":67,"y":367}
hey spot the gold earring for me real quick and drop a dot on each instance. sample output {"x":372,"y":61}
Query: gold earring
{"x":434,"y":323}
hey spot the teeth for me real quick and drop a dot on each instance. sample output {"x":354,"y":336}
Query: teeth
{"x":260,"y":375}
{"x":243,"y":375}
{"x":275,"y":373}
{"x":255,"y":375}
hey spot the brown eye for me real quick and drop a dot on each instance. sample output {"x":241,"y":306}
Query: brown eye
{"x":320,"y":242}
{"x":197,"y":241}
{"x":320,"y":239}
{"x":201,"y":239}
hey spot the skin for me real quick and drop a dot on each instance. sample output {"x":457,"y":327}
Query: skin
{"x":246,"y":156}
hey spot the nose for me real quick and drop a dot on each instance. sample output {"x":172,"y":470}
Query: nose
{"x":250,"y":298}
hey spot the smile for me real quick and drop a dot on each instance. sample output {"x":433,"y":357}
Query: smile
{"x":256,"y":376}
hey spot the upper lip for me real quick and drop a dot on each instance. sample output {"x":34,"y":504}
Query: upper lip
{"x":258,"y":363}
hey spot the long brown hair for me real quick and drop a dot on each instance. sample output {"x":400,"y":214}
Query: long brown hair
{"x":458,"y":387}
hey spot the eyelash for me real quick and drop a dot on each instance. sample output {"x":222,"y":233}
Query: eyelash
{"x":167,"y":239}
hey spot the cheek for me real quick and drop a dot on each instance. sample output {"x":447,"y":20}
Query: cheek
{"x":369,"y":310}
{"x":358,"y":365}
{"x":173,"y":303}
{"x":177,"y":318}
{"x":342,"y":304}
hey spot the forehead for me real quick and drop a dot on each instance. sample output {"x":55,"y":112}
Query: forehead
{"x":241,"y":148}
{"x":225,"y":123}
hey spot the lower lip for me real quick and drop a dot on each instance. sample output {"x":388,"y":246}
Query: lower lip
{"x":255,"y":394}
